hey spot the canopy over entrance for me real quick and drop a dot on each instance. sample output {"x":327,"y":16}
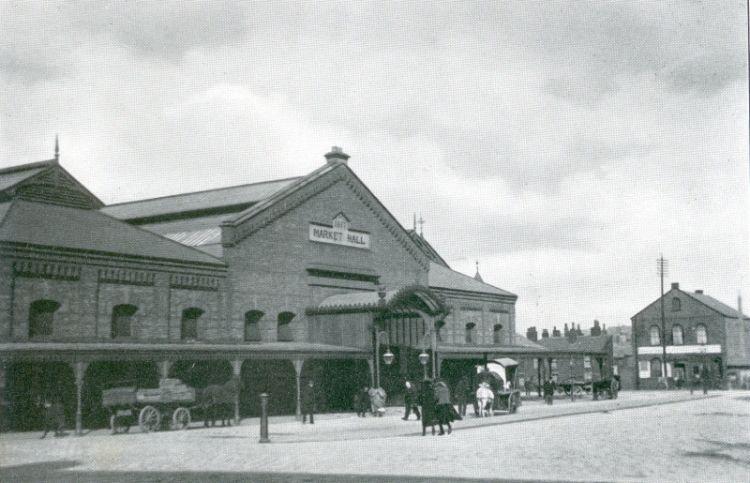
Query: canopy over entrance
{"x":409,"y":299}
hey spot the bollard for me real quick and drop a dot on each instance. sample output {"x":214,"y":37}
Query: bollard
{"x":264,"y":419}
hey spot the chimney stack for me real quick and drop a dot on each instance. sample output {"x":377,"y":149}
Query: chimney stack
{"x":555,"y":332}
{"x":596,"y":330}
{"x":336,"y":155}
{"x":566,"y":332}
{"x":699,"y":292}
{"x":531,"y":334}
{"x":675,"y":286}
{"x":545,"y":334}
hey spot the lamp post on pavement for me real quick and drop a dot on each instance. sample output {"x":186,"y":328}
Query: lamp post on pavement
{"x":424,"y":357}
{"x":387,"y":357}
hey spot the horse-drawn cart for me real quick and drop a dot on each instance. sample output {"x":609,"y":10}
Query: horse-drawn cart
{"x":507,"y":400}
{"x":171,"y":401}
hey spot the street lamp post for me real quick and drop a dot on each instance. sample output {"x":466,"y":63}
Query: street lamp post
{"x":387,"y":357}
{"x":424,"y":357}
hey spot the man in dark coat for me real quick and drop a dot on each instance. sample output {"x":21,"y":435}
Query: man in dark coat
{"x":428,"y":404}
{"x":549,"y":392}
{"x":410,"y":401}
{"x":54,"y":417}
{"x":308,"y":401}
{"x":362,"y":401}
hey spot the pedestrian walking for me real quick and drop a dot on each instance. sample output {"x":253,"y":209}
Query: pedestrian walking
{"x":362,"y":401}
{"x":444,"y":409}
{"x":378,"y":397}
{"x":309,"y":397}
{"x":54,"y":417}
{"x":549,"y":390}
{"x":694,"y":382}
{"x":429,"y":406}
{"x":410,"y":401}
{"x":461,"y":395}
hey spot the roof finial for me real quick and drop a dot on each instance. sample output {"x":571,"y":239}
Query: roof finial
{"x":57,"y":149}
{"x":476,"y":275}
{"x":421,"y":225}
{"x":415,"y":223}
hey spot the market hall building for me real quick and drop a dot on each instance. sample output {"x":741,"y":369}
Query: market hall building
{"x":268,"y":284}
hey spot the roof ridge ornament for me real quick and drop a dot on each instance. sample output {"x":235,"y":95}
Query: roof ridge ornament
{"x":57,"y":149}
{"x":478,"y":277}
{"x":336,"y":155}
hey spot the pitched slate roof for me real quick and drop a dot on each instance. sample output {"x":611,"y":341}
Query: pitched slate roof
{"x":234,"y":196}
{"x":49,"y":182}
{"x":587,"y":343}
{"x":65,"y":227}
{"x":10,"y":177}
{"x":519,"y":340}
{"x":711,"y":302}
{"x":443,"y":277}
{"x":426,"y":248}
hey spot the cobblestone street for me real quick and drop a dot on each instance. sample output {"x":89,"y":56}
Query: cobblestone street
{"x":642,"y":436}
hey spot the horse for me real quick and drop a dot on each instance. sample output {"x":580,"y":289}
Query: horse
{"x":485,"y":400}
{"x":217,"y":401}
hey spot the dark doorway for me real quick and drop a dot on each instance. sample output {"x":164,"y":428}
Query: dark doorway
{"x":29,"y":383}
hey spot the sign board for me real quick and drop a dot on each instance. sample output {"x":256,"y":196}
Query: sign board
{"x":681,"y":349}
{"x":339,"y":234}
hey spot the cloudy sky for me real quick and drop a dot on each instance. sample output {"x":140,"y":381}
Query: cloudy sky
{"x":563,"y":145}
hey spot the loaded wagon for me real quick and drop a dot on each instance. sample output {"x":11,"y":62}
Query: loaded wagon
{"x":150,"y":408}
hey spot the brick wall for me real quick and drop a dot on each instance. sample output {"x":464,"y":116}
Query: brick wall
{"x":88,"y":297}
{"x":268,"y":268}
{"x":691,"y":314}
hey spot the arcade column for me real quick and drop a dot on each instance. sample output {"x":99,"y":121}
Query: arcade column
{"x":79,"y":369}
{"x":298,"y":363}
{"x":236,"y":373}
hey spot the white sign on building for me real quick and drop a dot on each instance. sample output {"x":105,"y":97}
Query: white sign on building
{"x":339,"y":234}
{"x":681,"y":349}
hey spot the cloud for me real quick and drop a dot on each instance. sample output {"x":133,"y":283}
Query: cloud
{"x":564,"y":145}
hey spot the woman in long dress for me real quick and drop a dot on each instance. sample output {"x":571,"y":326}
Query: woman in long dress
{"x":377,"y":400}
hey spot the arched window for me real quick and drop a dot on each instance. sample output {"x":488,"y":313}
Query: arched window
{"x":654,"y":335}
{"x":438,"y":329}
{"x":655,"y":368}
{"x":189,"y":324}
{"x":497,"y":334}
{"x":677,"y":335}
{"x":676,"y":305}
{"x":284,"y":327}
{"x":471,"y":332}
{"x":701,"y":337}
{"x":41,"y":317}
{"x":252,"y":325}
{"x":122,"y":318}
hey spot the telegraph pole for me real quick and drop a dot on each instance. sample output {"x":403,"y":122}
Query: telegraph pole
{"x":663,"y":269}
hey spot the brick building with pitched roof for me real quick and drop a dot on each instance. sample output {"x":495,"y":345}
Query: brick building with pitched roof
{"x":267,"y":283}
{"x":702,"y":334}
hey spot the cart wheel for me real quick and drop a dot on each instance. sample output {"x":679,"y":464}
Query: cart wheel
{"x":149,"y":419}
{"x":116,"y":425}
{"x":181,"y":418}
